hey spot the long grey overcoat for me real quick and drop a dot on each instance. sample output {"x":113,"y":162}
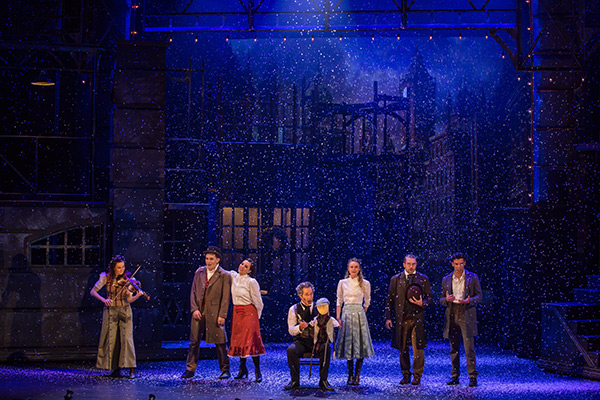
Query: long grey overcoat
{"x":473,"y":289}
{"x":216,"y":301}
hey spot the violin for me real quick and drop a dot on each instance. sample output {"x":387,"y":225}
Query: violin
{"x":133,"y":285}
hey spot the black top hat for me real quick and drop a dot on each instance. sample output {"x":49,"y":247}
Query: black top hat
{"x":214,"y":250}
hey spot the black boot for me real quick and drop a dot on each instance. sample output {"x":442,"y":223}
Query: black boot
{"x":243,"y":373}
{"x":325,"y":387}
{"x":359,"y":364}
{"x":257,"y":374}
{"x":350,"y":380}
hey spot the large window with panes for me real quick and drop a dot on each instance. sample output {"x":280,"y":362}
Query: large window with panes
{"x":81,"y":246}
{"x":277,"y":238}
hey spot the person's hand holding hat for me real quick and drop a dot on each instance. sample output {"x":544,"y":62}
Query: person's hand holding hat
{"x":414,"y":295}
{"x":416,"y":301}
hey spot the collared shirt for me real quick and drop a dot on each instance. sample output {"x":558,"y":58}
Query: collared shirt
{"x":406,"y":274}
{"x":294,"y":321}
{"x":349,"y":291}
{"x":245,"y":291}
{"x":209,"y":273}
{"x":458,"y":287}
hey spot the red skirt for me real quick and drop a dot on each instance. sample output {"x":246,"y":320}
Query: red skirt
{"x":245,"y":333}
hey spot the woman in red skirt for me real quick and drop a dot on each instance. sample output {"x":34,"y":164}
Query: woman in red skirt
{"x":245,"y":328}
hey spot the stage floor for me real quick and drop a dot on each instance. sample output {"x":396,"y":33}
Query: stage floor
{"x":501,"y":376}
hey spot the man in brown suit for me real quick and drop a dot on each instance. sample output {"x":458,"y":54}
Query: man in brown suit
{"x":209,"y":305}
{"x":408,"y":295}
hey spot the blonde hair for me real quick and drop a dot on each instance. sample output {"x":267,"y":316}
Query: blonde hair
{"x":360,"y":274}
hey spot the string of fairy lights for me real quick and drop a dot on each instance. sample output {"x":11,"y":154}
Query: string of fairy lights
{"x":330,"y":35}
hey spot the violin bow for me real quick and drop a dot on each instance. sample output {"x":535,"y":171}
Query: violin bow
{"x":135,"y":272}
{"x":131,"y":276}
{"x":139,"y":288}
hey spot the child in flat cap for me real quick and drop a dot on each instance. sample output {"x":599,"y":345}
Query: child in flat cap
{"x":323,"y":335}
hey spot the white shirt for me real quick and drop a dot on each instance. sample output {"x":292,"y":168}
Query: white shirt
{"x":350,"y":292}
{"x":458,"y":287}
{"x":209,"y":273}
{"x":245,"y":291}
{"x":294,"y":320}
{"x":406,"y":275}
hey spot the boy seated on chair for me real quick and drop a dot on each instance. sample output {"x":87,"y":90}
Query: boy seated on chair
{"x":303,"y":325}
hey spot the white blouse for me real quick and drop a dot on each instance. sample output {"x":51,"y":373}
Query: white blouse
{"x":245,"y":291}
{"x":350,"y":292}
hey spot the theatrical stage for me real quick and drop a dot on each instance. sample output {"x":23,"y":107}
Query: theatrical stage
{"x":298,"y":134}
{"x":502,"y":375}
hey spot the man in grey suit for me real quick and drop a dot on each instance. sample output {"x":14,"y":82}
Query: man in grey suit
{"x":209,"y":300}
{"x":408,"y":295}
{"x":461,"y":292}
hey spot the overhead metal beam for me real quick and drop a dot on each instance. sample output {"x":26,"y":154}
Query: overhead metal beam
{"x":515,"y":28}
{"x":310,"y":21}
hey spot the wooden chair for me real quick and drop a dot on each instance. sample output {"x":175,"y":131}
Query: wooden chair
{"x":305,"y":359}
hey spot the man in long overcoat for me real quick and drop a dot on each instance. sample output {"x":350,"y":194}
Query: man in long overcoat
{"x":209,"y":300}
{"x":409,"y":294}
{"x":461,"y":292}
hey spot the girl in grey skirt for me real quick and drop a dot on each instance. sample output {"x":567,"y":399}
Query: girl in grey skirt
{"x":354,"y":338}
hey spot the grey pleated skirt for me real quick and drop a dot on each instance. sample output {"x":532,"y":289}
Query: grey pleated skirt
{"x":354,"y":338}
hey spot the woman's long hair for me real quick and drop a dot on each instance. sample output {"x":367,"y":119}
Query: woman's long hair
{"x":360,"y":274}
{"x":111,"y":266}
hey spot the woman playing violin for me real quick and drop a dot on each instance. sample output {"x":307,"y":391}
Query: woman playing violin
{"x":116,"y":349}
{"x":133,"y":285}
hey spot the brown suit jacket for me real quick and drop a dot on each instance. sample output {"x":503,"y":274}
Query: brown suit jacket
{"x":216,"y":301}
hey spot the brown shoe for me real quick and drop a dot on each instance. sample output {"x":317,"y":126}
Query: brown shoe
{"x":405,"y":380}
{"x":416,"y":381}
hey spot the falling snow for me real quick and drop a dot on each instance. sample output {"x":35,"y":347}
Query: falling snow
{"x":299,"y":152}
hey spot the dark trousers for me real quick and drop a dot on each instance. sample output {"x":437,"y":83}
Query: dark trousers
{"x":198,"y":328}
{"x":299,"y":347}
{"x":458,"y":331}
{"x":409,"y":334}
